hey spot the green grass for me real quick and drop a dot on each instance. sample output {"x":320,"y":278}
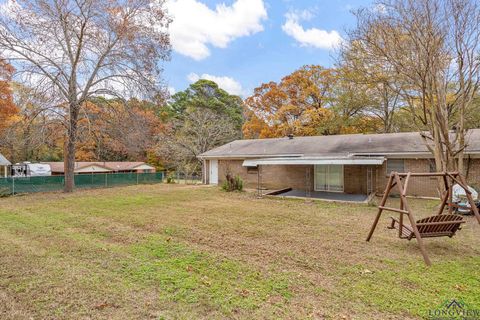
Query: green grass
{"x":183,"y":252}
{"x":192,"y":277}
{"x":397,"y":291}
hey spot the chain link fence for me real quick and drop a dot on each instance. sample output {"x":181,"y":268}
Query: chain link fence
{"x":16,"y":185}
{"x":183,"y":178}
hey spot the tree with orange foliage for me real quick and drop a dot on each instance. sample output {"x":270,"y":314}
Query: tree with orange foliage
{"x":74,"y":51}
{"x":317,"y":101}
{"x":118,"y":131}
{"x":31,"y":134}
{"x":298,"y":105}
{"x":8,"y":109}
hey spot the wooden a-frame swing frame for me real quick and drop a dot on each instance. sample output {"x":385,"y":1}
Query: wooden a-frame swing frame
{"x":401,"y":180}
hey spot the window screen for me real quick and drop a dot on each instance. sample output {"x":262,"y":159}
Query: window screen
{"x":397,"y":165}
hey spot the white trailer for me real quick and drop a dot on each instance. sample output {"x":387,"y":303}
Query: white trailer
{"x":28,"y":169}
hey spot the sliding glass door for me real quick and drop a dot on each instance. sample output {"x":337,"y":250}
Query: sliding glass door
{"x":329,"y":178}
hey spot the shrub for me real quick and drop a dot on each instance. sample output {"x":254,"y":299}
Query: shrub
{"x":232,"y":183}
{"x":171,"y":177}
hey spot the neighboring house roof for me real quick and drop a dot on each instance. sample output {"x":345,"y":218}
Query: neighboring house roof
{"x":334,"y":146}
{"x":106,"y":166}
{"x":4,"y":161}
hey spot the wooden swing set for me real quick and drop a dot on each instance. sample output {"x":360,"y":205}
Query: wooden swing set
{"x":439,"y":225}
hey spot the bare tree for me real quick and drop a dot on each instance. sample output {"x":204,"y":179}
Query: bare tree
{"x":372,"y":83}
{"x":432,"y":48}
{"x":198,"y":131}
{"x":74,"y":50}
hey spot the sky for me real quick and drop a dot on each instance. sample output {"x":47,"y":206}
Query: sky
{"x":241,"y":44}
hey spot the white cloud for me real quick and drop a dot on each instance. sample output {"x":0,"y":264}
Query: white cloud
{"x":226,"y":83}
{"x":303,"y":15}
{"x":312,"y":37}
{"x":195,"y":26}
{"x":171,"y":90}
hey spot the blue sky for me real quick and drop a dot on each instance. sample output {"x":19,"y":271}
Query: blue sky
{"x":243,"y":43}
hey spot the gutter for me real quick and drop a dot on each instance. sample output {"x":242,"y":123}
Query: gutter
{"x":419,"y":154}
{"x":244,"y":156}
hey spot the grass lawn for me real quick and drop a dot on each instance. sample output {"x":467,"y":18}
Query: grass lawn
{"x":194,"y":252}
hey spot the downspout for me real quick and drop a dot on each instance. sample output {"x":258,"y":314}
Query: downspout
{"x":259,"y":181}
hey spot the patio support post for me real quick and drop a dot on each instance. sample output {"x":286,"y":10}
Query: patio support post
{"x":308,"y":184}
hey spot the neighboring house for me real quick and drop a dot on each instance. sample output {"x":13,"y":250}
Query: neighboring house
{"x":102,"y":167}
{"x":353,"y":164}
{"x":4,"y":163}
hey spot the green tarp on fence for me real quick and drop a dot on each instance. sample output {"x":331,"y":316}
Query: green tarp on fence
{"x":17,"y":185}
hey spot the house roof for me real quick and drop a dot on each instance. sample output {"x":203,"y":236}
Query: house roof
{"x":111,"y":166}
{"x":4,"y":161}
{"x":334,"y":146}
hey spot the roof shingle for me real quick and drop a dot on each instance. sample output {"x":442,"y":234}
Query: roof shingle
{"x":336,"y":145}
{"x":113,"y":166}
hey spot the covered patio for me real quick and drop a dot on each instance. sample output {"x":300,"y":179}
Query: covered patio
{"x":344,"y":178}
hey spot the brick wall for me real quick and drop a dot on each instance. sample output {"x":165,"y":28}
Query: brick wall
{"x":283,"y":176}
{"x":424,"y":186}
{"x":473,"y":173}
{"x":293,"y":176}
{"x":273,"y":177}
{"x":420,"y":186}
{"x":235,"y":168}
{"x":355,"y":179}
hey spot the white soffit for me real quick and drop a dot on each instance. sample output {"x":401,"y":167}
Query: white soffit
{"x":312,"y":161}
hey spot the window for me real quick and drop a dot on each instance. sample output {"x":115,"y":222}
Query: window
{"x":329,"y":178}
{"x":395,"y":165}
{"x":432,"y":166}
{"x":252,"y":170}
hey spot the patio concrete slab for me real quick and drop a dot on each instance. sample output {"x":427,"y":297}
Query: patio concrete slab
{"x":321,"y":195}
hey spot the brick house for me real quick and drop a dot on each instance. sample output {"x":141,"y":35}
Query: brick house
{"x":349,"y":164}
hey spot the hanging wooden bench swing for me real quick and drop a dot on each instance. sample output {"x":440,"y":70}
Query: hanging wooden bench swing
{"x":439,"y":225}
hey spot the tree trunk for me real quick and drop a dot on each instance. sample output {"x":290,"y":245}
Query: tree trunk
{"x":70,"y":148}
{"x":460,"y":135}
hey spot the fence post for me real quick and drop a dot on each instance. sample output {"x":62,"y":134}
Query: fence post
{"x":137,"y":177}
{"x":13,"y":185}
{"x":106,"y":180}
